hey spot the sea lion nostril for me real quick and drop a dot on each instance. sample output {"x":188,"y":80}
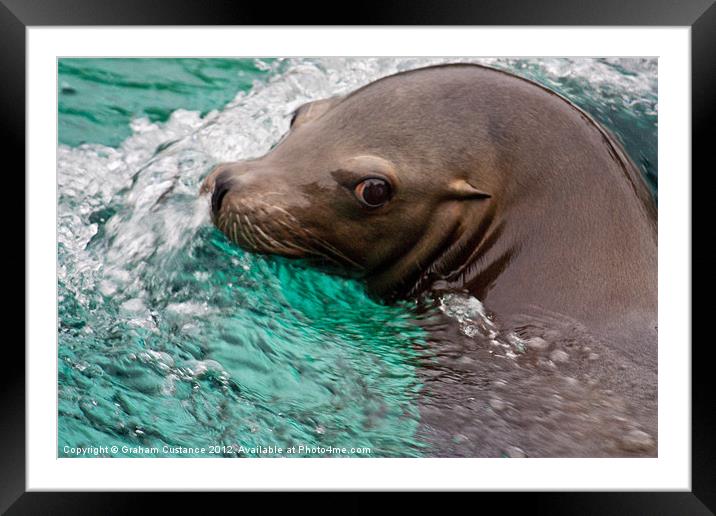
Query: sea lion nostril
{"x":221,"y":188}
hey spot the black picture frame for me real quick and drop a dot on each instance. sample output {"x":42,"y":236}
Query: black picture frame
{"x":17,"y":15}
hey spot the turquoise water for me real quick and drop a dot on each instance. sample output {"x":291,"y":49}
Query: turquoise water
{"x":172,"y":341}
{"x":99,"y":97}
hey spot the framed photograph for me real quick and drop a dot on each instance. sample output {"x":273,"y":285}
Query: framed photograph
{"x":432,"y":251}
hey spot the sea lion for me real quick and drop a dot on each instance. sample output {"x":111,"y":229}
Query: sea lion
{"x":458,"y":177}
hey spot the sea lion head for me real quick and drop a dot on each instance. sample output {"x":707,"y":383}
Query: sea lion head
{"x":375,"y":182}
{"x":454,"y":177}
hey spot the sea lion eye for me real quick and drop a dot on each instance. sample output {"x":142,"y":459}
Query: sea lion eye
{"x":373,"y":192}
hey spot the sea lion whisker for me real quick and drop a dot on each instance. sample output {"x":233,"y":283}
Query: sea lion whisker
{"x":257,"y":239}
{"x":234,"y":227}
{"x":267,"y":240}
{"x":297,"y":230}
{"x":291,"y":245}
{"x":249,"y":233}
{"x":243,"y":231}
{"x":273,"y":207}
{"x":341,"y":256}
{"x":311,"y":240}
{"x":331,"y":249}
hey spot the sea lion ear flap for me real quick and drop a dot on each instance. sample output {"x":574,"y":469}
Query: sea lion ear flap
{"x":312,"y":110}
{"x":461,"y":189}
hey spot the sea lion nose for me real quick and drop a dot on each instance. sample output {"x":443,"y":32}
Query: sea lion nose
{"x":221,"y":188}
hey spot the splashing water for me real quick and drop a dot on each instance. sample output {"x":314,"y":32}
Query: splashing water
{"x":170,"y":336}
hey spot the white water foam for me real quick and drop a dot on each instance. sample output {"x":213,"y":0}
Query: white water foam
{"x":474,"y":321}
